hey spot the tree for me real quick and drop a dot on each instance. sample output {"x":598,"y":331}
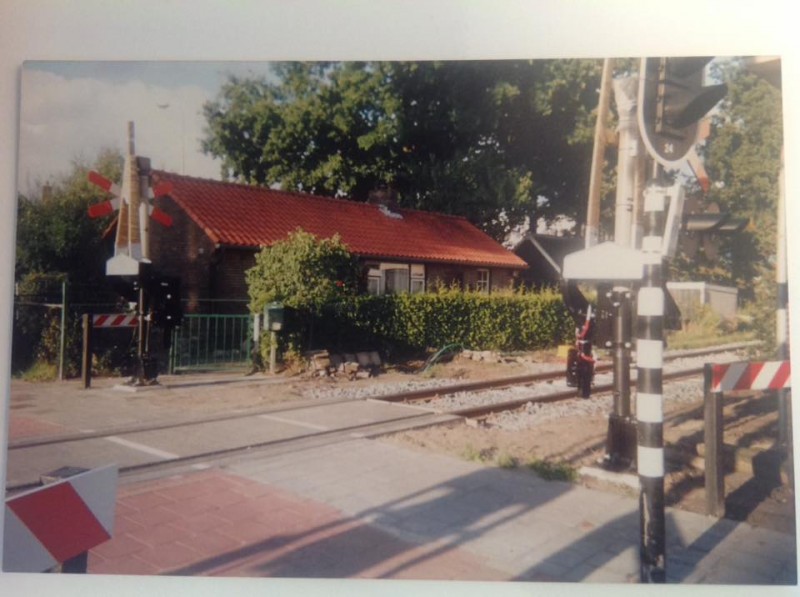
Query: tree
{"x":303,"y":272}
{"x":54,"y":232}
{"x":307,"y":275}
{"x":742,"y":157}
{"x":494,"y":141}
{"x":57,"y":242}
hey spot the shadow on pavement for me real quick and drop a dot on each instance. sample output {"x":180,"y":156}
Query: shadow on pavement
{"x":398,"y":538}
{"x":491,"y":513}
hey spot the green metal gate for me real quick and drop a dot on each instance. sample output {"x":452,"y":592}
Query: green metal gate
{"x":211,"y":342}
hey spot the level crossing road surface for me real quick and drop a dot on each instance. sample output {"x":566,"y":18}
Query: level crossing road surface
{"x":360,"y":507}
{"x":274,"y":426}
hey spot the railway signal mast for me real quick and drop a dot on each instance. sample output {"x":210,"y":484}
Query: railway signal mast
{"x":130,"y":267}
{"x":672,"y":100}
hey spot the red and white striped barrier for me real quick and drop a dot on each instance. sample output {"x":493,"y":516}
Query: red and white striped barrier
{"x":50,"y":525}
{"x":115,"y":320}
{"x":768,"y":375}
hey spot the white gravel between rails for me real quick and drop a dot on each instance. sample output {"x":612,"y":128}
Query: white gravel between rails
{"x":532,"y":413}
{"x":675,"y":392}
{"x":360,"y":389}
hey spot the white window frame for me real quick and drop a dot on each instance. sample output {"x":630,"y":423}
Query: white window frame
{"x":483,"y":285}
{"x":379,"y":272}
{"x":400,"y":273}
{"x":417,"y":278}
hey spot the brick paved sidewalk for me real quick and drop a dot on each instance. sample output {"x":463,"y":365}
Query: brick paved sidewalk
{"x":216,"y":523}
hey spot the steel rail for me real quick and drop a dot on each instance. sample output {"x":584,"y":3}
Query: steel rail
{"x":474,"y":412}
{"x":433,"y":417}
{"x":344,"y":433}
{"x":408,"y":396}
{"x":498,"y":383}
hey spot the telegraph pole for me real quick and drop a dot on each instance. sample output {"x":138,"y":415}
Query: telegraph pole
{"x":596,"y":176}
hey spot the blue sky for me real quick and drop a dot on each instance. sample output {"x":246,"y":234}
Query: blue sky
{"x":71,"y":110}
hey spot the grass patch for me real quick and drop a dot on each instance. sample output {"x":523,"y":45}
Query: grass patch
{"x":433,"y":372}
{"x":704,"y":328}
{"x":474,"y":454}
{"x":697,"y":338}
{"x":553,"y":471}
{"x":40,"y":371}
{"x":506,"y":461}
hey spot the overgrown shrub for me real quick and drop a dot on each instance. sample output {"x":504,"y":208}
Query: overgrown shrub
{"x":704,"y":327}
{"x":303,"y":272}
{"x":36,"y":332}
{"x":759,"y":317}
{"x":318,"y":281}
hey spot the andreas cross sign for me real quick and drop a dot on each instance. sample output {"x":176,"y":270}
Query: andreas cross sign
{"x":134,"y":202}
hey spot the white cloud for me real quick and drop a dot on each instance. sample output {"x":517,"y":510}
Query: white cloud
{"x":66,"y":119}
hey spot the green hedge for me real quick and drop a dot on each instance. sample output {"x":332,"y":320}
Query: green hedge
{"x":504,"y":321}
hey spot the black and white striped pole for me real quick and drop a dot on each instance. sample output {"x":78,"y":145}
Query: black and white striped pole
{"x":649,"y":394}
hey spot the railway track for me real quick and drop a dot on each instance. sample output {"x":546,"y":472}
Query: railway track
{"x":414,"y":416}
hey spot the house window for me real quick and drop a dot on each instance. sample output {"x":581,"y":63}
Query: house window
{"x":482,"y":282}
{"x":374,"y":278}
{"x":393,"y":278}
{"x":374,"y":284}
{"x":417,"y":278}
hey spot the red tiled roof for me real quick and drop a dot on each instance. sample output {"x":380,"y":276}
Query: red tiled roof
{"x":250,"y":216}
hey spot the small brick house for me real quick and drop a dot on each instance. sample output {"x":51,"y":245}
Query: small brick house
{"x":218,"y":228}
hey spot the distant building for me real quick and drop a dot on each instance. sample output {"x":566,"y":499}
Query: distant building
{"x":544,"y":255}
{"x":692,"y":296}
{"x":218,"y":228}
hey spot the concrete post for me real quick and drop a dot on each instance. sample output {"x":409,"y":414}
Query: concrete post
{"x":625,"y":93}
{"x":273,"y":351}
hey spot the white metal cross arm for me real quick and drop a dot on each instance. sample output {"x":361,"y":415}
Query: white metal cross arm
{"x":110,"y":206}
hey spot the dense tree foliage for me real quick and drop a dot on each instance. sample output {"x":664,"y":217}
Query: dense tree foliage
{"x":54,"y":232}
{"x":495,"y":141}
{"x":742,"y":157}
{"x":56,"y":243}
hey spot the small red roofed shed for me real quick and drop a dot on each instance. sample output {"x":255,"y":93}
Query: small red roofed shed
{"x":218,"y":227}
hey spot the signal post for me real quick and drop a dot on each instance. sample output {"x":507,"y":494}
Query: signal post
{"x":157,"y":299}
{"x":671,"y":101}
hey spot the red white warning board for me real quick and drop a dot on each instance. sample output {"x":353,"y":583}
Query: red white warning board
{"x":768,"y":375}
{"x":115,"y":320}
{"x":47,"y":526}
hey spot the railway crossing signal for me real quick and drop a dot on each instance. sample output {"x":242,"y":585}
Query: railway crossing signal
{"x":134,"y":202}
{"x":672,"y":101}
{"x":166,"y":302}
{"x":130,"y":268}
{"x":703,"y":228}
{"x":720,"y":223}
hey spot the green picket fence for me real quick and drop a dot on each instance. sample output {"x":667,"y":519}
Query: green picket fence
{"x":211,"y":342}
